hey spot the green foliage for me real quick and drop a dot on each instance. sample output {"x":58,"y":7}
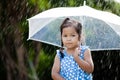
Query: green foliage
{"x":116,"y":8}
{"x":71,"y":3}
{"x":43,"y":5}
{"x":45,"y":65}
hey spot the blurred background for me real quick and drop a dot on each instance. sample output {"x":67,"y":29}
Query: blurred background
{"x":21,"y":59}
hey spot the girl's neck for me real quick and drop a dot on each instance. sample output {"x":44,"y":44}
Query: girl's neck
{"x":71,"y":51}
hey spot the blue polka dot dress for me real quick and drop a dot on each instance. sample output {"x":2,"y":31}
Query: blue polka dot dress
{"x":70,"y":70}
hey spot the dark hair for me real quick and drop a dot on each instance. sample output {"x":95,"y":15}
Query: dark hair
{"x":70,"y":23}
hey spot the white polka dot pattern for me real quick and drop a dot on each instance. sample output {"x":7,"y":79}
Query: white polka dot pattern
{"x":69,"y":68}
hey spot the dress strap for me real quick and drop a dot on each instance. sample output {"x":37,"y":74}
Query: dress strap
{"x":58,"y":54}
{"x":83,"y":48}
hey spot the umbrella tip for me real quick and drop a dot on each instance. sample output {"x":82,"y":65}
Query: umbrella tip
{"x":84,"y":4}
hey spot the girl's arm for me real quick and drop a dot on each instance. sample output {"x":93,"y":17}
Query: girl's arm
{"x":86,"y":64}
{"x":55,"y":69}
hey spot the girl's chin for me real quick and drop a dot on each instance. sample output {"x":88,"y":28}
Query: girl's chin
{"x":70,"y":47}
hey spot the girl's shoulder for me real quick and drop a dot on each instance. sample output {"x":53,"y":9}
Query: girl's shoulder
{"x":83,"y":48}
{"x":59,"y":53}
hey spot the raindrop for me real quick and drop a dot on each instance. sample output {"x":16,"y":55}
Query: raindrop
{"x":110,"y":65}
{"x":101,"y":61}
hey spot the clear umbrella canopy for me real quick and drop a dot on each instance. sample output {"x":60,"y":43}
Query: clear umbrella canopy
{"x":101,"y":30}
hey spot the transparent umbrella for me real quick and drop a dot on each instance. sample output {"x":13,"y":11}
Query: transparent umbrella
{"x":101,"y":29}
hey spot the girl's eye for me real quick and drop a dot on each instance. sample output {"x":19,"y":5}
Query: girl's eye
{"x":64,"y":35}
{"x":73,"y":35}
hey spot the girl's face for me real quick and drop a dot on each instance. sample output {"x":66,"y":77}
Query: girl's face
{"x":70,"y":38}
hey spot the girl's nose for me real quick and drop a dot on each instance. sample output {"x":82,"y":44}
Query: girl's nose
{"x":68,"y":38}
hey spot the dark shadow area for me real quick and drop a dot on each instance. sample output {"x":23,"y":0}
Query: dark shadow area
{"x":107,"y":65}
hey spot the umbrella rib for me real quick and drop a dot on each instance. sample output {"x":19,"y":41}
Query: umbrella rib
{"x":44,"y":42}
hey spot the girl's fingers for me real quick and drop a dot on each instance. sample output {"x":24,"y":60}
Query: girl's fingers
{"x":78,"y":50}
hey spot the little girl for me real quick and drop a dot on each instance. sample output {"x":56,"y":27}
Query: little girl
{"x":75,"y":61}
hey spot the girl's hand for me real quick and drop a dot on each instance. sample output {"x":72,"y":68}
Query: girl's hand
{"x":77,"y":52}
